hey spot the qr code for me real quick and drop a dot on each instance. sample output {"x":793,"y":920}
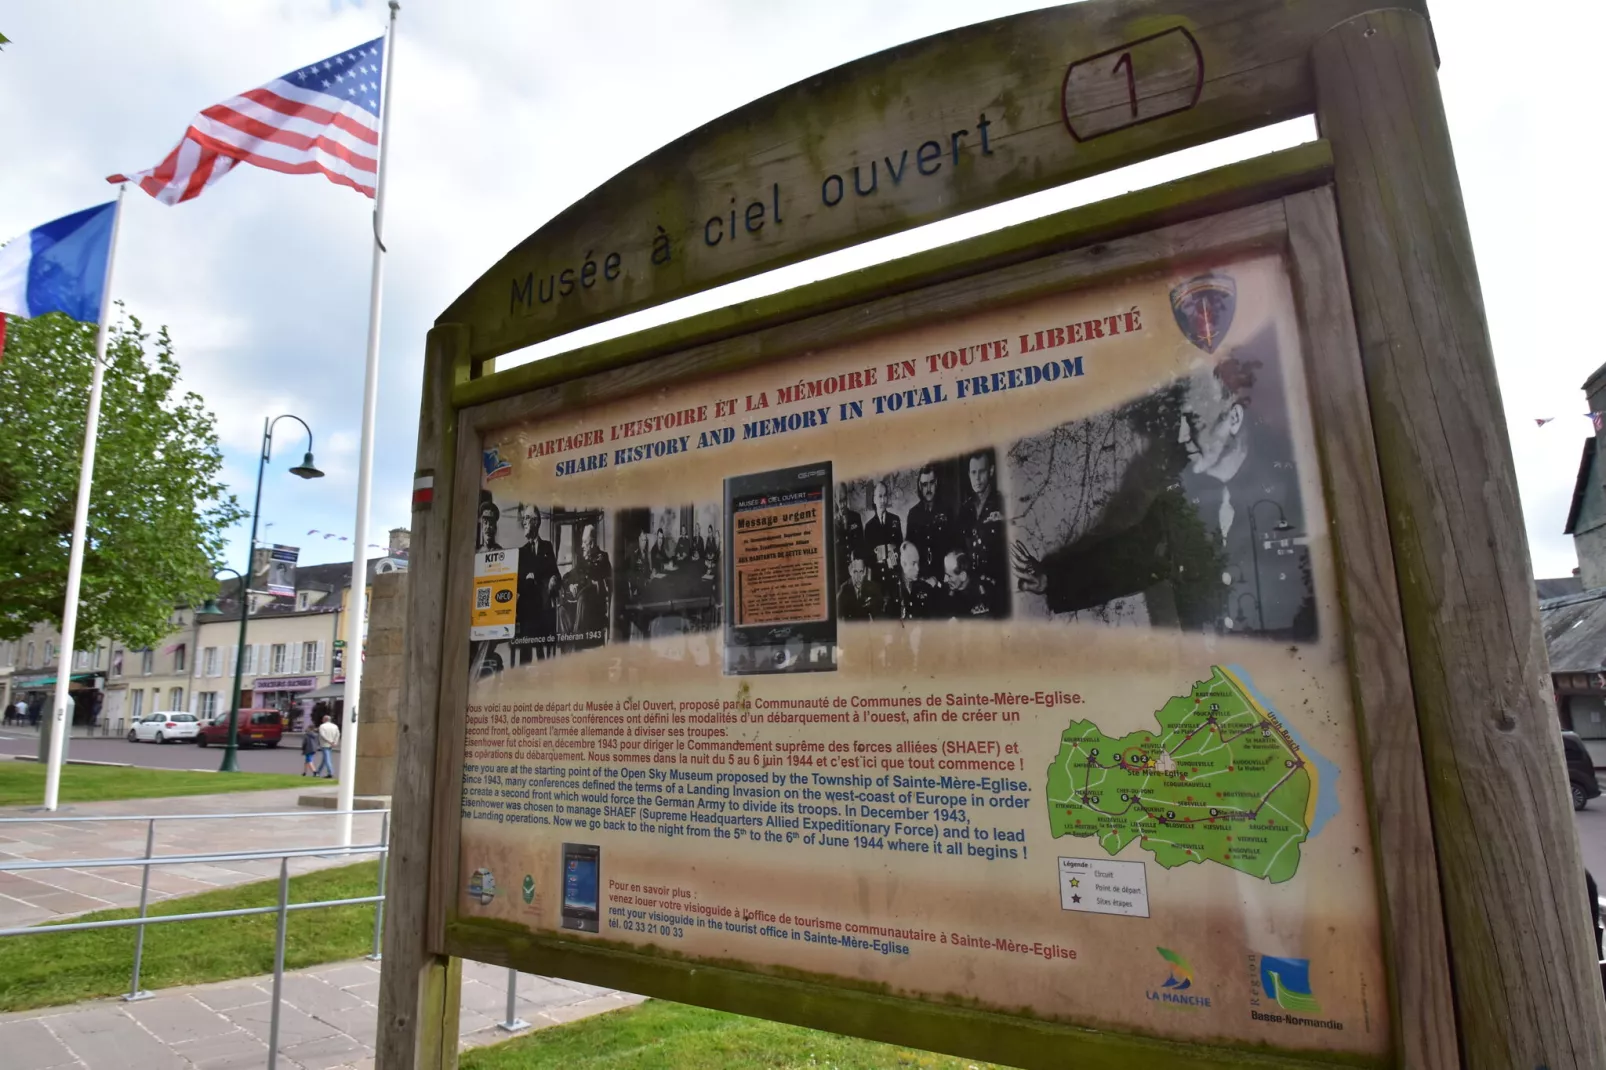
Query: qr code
{"x":482,"y":598}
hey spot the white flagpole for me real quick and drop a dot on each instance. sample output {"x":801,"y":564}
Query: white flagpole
{"x":357,"y":615}
{"x":80,"y":526}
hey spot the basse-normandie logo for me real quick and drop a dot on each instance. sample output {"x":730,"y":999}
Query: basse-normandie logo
{"x":1175,"y":989}
{"x":1288,"y":982}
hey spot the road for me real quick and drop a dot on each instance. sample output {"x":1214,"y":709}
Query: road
{"x":1591,"y":823}
{"x":286,"y":758}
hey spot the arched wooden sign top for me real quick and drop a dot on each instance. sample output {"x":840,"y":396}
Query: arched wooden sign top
{"x":921,"y":132}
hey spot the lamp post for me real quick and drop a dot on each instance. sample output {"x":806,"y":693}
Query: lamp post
{"x":306,"y":470}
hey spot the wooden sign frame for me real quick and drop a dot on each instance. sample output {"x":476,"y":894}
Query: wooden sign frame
{"x":1486,"y":935}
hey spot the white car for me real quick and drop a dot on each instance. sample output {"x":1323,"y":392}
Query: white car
{"x":165,"y":727}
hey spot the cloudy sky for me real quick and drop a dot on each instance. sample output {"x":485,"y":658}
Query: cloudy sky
{"x":506,"y":111}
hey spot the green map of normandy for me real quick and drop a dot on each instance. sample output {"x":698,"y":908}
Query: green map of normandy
{"x":1221,"y":781}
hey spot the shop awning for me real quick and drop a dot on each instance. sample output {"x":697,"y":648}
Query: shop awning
{"x":327,"y":691}
{"x":35,"y":683}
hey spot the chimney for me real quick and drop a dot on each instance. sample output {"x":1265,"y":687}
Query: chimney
{"x":400,"y":540}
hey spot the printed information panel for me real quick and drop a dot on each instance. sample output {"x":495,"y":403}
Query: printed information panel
{"x":1076,"y":736}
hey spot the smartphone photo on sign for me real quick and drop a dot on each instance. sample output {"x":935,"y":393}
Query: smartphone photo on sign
{"x":582,"y":880}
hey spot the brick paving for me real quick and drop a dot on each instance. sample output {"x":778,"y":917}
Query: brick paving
{"x":327,"y":1021}
{"x":40,"y":895}
{"x":329,"y":1014}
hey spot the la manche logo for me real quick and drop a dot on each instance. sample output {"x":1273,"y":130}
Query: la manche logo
{"x":1175,"y":989}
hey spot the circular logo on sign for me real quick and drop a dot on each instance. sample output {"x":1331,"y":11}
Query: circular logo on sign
{"x":504,"y":596}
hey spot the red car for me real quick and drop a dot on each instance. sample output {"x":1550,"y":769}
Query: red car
{"x":265,"y":727}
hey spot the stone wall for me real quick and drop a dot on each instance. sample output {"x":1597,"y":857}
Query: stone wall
{"x":381,"y":685}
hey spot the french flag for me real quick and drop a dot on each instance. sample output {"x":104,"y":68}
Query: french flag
{"x":58,"y":267}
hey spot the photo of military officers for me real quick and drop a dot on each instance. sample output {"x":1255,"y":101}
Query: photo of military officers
{"x":483,"y":657}
{"x":924,"y":544}
{"x":669,"y":578}
{"x":1179,"y":510}
{"x":585,"y":585}
{"x":535,"y":631}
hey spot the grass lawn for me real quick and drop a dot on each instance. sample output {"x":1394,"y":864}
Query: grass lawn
{"x":23,"y":783}
{"x":46,"y":971}
{"x":671,"y":1036}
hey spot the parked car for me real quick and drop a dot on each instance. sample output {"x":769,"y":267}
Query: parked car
{"x":1580,"y":770}
{"x":164,"y":726}
{"x":260,"y":726}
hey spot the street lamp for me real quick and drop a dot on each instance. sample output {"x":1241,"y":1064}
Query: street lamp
{"x":306,"y":470}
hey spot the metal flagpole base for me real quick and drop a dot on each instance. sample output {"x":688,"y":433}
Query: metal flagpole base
{"x":515,"y":1026}
{"x":135,"y":997}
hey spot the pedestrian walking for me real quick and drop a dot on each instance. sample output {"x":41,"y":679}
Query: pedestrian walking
{"x":309,"y":750}
{"x":328,"y":736}
{"x":19,"y":713}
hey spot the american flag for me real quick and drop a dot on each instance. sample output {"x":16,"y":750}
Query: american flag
{"x":322,"y":118}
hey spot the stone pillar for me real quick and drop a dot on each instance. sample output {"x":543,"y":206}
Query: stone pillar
{"x":381,"y":684}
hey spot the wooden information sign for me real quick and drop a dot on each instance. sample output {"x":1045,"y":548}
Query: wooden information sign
{"x":1103,"y":641}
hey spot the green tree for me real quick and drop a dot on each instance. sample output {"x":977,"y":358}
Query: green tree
{"x":158,"y":512}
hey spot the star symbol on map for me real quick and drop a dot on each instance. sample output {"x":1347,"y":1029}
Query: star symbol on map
{"x":1075,"y":883}
{"x":1076,"y":899}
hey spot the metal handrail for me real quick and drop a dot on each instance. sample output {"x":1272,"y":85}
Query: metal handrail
{"x":283,"y":909}
{"x":176,"y":860}
{"x":159,"y":919}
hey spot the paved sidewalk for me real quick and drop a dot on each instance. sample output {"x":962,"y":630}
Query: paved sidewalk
{"x":39,"y":895}
{"x":327,"y":1022}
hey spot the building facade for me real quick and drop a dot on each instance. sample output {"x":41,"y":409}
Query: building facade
{"x":294,"y":657}
{"x":1572,"y":609}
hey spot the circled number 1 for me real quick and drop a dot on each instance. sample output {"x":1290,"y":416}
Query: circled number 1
{"x":1131,"y":82}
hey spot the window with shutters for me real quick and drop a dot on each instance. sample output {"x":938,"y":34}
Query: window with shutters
{"x":277,"y":662}
{"x":147,"y":661}
{"x":250,"y":666}
{"x":178,"y":661}
{"x":138,"y":698}
{"x":30,"y":656}
{"x":208,"y":705}
{"x":309,"y":658}
{"x":175,"y":697}
{"x":209,"y":661}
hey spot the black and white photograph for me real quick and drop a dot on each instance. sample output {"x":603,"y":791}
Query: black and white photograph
{"x":668,"y":577}
{"x":1181,"y":509}
{"x":926,"y":543}
{"x":563,"y":582}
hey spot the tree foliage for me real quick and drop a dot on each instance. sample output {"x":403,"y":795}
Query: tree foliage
{"x":157,"y":513}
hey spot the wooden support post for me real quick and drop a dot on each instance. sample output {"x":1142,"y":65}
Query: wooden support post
{"x":418,"y":991}
{"x":1526,"y":987}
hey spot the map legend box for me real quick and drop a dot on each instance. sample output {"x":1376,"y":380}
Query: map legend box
{"x":1100,"y":886}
